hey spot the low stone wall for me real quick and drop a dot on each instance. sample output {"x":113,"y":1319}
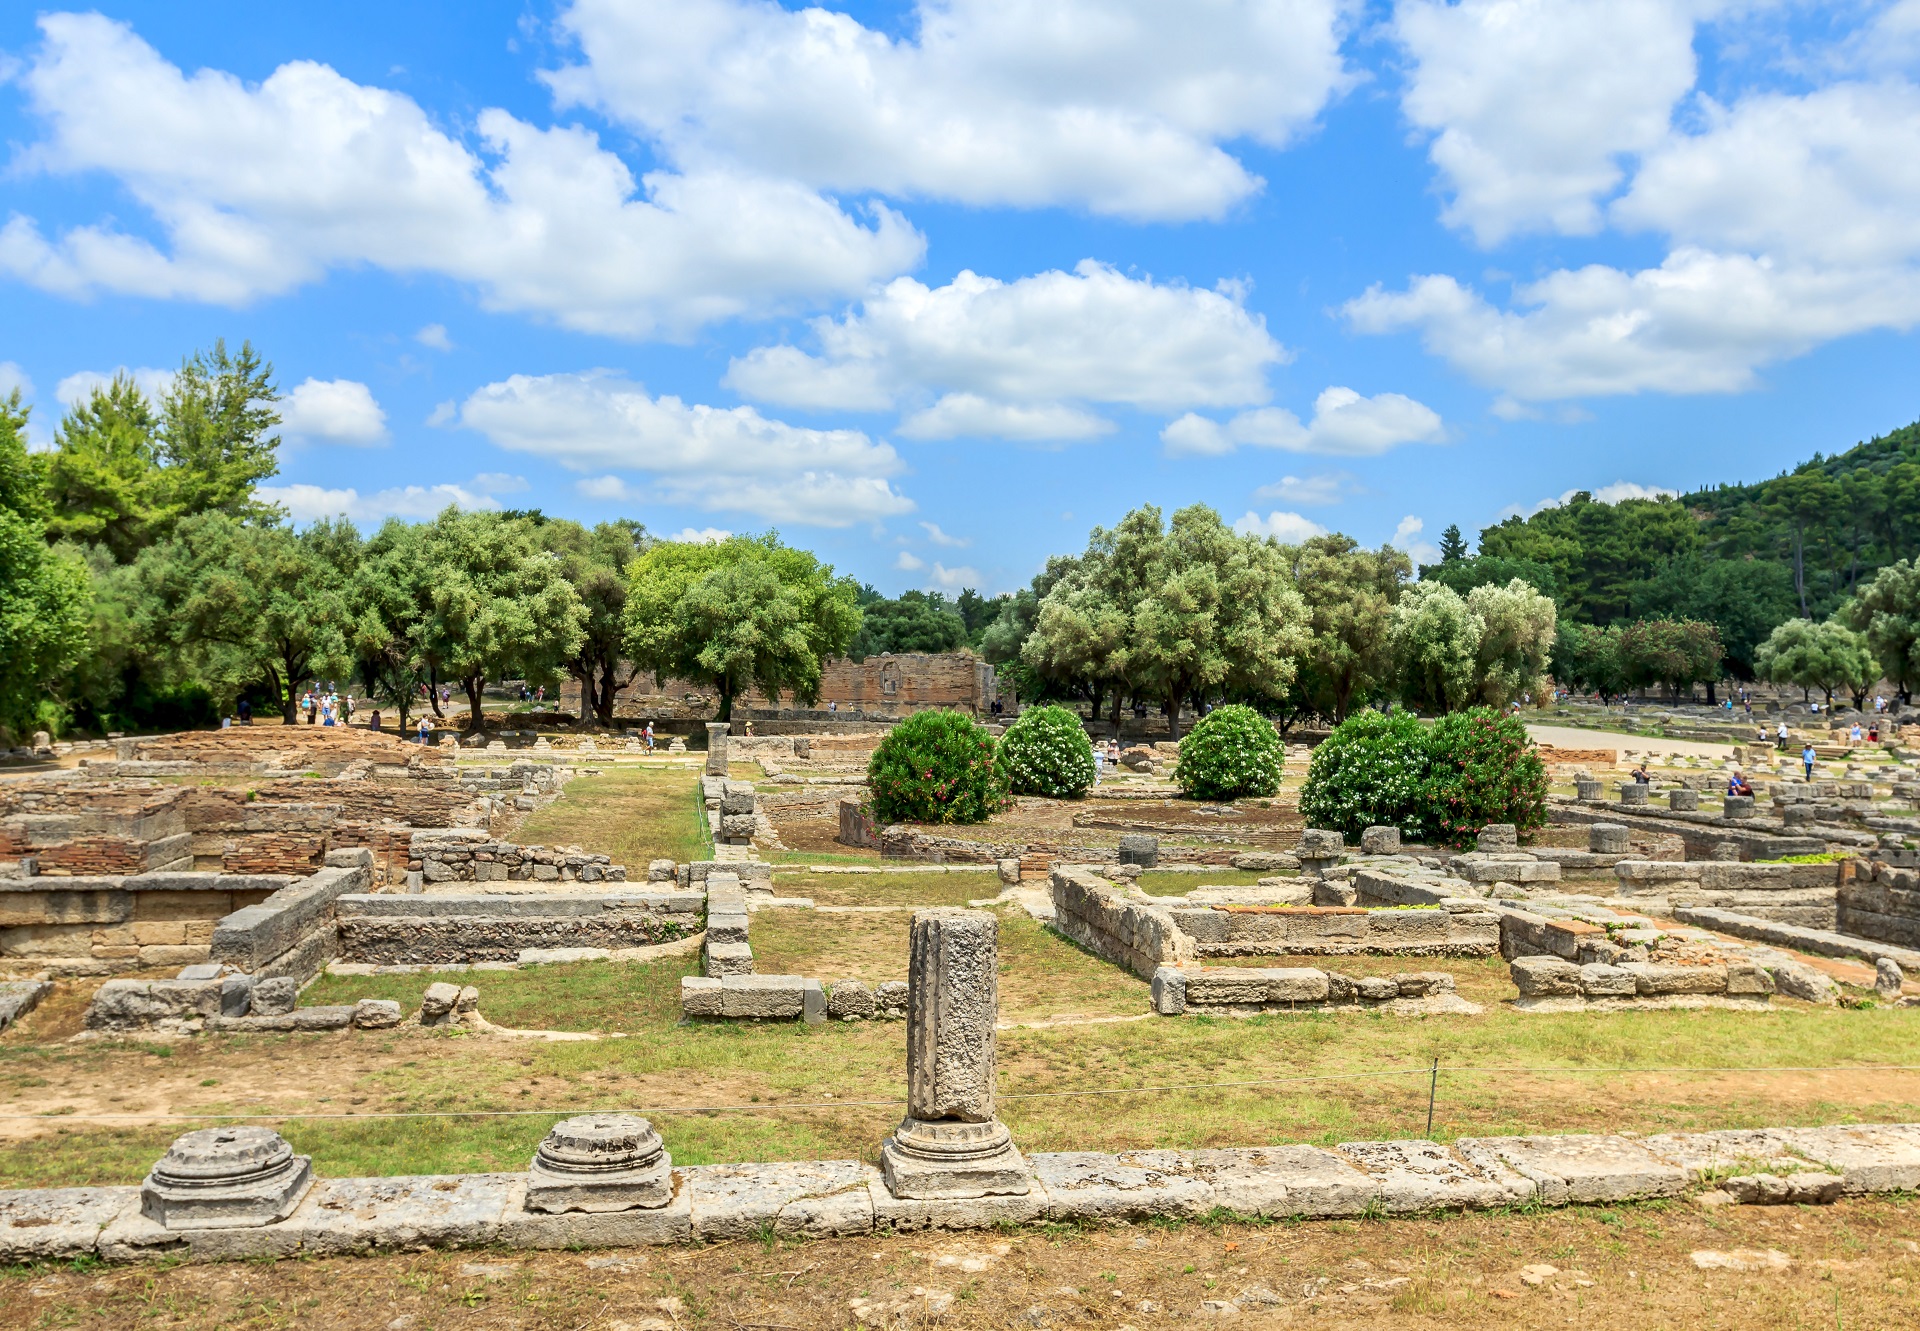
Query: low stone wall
{"x":1702,"y":834}
{"x":1550,"y":982}
{"x":1256,"y":931}
{"x":1108,"y":922}
{"x":1801,"y":894}
{"x":99,"y":925}
{"x":819,"y":1199}
{"x":856,"y":825}
{"x":292,"y":932}
{"x":461,"y":855}
{"x":1882,"y":904}
{"x":740,"y":997}
{"x":1242,"y":990}
{"x":441,"y":928}
{"x":1820,"y":942}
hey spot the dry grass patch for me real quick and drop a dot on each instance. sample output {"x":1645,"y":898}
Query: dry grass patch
{"x":631,"y":813}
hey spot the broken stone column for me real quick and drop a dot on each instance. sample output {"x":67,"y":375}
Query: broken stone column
{"x":1683,"y":801}
{"x":950,"y":1145}
{"x":226,"y":1178}
{"x":1737,"y":806}
{"x":1607,"y":839}
{"x":1380,"y":841}
{"x":716,"y":748}
{"x":600,"y":1163}
{"x":1498,"y":839}
{"x":1320,"y":850}
{"x":1887,"y":979}
{"x":1633,"y":792}
{"x":1586,"y":789}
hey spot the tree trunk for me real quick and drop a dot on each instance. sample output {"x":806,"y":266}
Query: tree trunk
{"x":1173,"y":716}
{"x":475,"y":685}
{"x":1116,"y":711}
{"x":1098,"y":695}
{"x":585,"y":677}
{"x":1710,"y":701}
{"x":726,"y":701}
{"x":1800,"y":569}
{"x":433,"y":693}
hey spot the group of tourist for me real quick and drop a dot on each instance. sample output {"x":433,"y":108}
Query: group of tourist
{"x":327,"y":707}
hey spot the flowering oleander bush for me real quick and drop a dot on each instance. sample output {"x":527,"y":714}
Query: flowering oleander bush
{"x":1483,"y":769}
{"x":1232,"y":752}
{"x":1046,"y":752}
{"x":936,"y":767}
{"x":1438,"y":783}
{"x":1371,"y":772}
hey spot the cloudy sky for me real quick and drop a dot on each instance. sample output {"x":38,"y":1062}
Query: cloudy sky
{"x":933,"y":288}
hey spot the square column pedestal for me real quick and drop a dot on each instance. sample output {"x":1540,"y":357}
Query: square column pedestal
{"x":950,"y":1145}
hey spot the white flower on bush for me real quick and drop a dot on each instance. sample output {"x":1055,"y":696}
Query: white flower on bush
{"x":1046,"y":752}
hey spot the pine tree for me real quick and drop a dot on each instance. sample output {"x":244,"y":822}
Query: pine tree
{"x":1453,"y":546}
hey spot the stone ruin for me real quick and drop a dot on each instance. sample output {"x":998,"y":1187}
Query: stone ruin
{"x":608,"y":1179}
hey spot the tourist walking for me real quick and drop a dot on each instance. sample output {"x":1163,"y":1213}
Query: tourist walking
{"x":1783,"y":737}
{"x":647,"y":735}
{"x":1807,"y":755}
{"x":426,"y":728}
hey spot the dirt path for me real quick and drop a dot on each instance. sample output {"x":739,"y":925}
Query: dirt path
{"x":1573,"y":737}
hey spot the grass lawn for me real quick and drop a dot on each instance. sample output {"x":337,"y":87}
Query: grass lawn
{"x":890,"y":889}
{"x":631,"y":813}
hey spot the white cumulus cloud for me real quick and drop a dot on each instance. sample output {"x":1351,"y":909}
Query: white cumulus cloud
{"x":1344,"y":424}
{"x":1117,"y":106}
{"x":78,"y":386}
{"x":333,"y":411}
{"x":908,"y":562}
{"x":699,"y":536}
{"x":717,"y":458}
{"x":260,"y":188}
{"x":435,"y":336}
{"x":1312,"y":491}
{"x":1605,"y":494}
{"x":307,"y":503}
{"x":1021,"y":359}
{"x":1290,"y":528}
{"x":939,"y":537}
{"x":1406,"y":536}
{"x":953,"y":579}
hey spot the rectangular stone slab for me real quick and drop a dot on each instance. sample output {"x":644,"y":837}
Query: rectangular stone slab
{"x":1424,"y":1176}
{"x":1282,"y":1181}
{"x":1877,"y":1158}
{"x":54,"y":1224}
{"x":1734,"y":1148}
{"x":1088,"y":1185}
{"x":818,"y":1198}
{"x":1582,"y":1168}
{"x":902,"y":1213}
{"x":672,"y":1223}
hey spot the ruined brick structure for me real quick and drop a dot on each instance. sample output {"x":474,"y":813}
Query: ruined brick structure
{"x":885,"y":685}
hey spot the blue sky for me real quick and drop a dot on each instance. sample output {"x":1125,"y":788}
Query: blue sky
{"x":934,"y":288}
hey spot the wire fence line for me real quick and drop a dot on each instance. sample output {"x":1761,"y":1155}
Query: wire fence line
{"x":1430,"y":1070}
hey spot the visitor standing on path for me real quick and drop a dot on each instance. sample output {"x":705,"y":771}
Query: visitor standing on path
{"x":1807,"y":755}
{"x":648,"y":736}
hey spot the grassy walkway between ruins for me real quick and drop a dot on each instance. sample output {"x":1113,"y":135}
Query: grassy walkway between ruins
{"x":1501,"y":1072}
{"x":631,"y":813}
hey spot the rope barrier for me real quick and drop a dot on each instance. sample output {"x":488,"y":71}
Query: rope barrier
{"x":1432,"y":1071}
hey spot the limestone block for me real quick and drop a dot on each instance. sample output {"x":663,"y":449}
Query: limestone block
{"x":410,"y":1211}
{"x":274,"y":997}
{"x":890,"y":999}
{"x":728,"y":959}
{"x":737,"y":826}
{"x":376,"y":1014}
{"x":1423,"y":984}
{"x":1607,"y":839}
{"x":1505,"y":870}
{"x":1319,"y":844}
{"x":1407,"y":928}
{"x":661,"y":871}
{"x":1738,"y":807}
{"x":1722,"y":1151}
{"x":1203,"y":925}
{"x":1376,"y":989}
{"x":1280,"y":1180}
{"x":1497,"y":837}
{"x":671,"y":1222}
{"x":901,"y":1214}
{"x":1747,"y":980}
{"x":1139,"y":848}
{"x":1683,"y":801}
{"x":1226,"y":986}
{"x":600,"y":1163}
{"x":1544,"y":977}
{"x":1633,"y":793}
{"x":762,"y":996}
{"x":1295,"y":985}
{"x":1880,"y":1158}
{"x":1265,"y":861}
{"x":1423,"y":1176}
{"x":1136,"y":1185}
{"x":1169,"y":991}
{"x":727,"y":927}
{"x":850,"y":1000}
{"x":1598,"y":980}
{"x":1656,"y":979}
{"x":816,"y":1198}
{"x":58,"y":1224}
{"x":700,"y":997}
{"x":1586,"y":1168}
{"x":1887,"y":980}
{"x":19,"y":997}
{"x":328,"y":1017}
{"x":1380,"y":841}
{"x":131,"y":1004}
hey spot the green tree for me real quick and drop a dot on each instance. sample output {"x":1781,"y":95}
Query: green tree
{"x":1742,"y":598}
{"x":241,"y":602}
{"x":103,"y":474}
{"x":1585,"y":657}
{"x":1463,"y":575}
{"x":1453,"y":546}
{"x":1826,"y":655}
{"x":1676,"y":652}
{"x":1349,"y":594}
{"x":1435,"y":642}
{"x":1805,"y":502}
{"x":1599,"y":553}
{"x":915,"y":621}
{"x":1887,"y":612}
{"x":747,"y":612}
{"x":978,"y":612}
{"x":496,"y":606}
{"x":1219,"y":614}
{"x":45,"y":598}
{"x":595,"y":565}
{"x":1083,"y":630}
{"x":390,"y":602}
{"x":217,"y":440}
{"x":1517,"y":629}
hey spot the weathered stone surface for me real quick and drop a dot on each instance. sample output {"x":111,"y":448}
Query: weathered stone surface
{"x":1585,"y":1168}
{"x":1280,"y":1180}
{"x":1135,"y":1185}
{"x":377,"y":1014}
{"x":1320,"y":844}
{"x":1727,"y":1150}
{"x":1169,"y":991}
{"x":765,"y":997}
{"x":58,"y":1224}
{"x":1139,"y":848}
{"x":1497,"y":837}
{"x":225,"y":1178}
{"x":254,"y":935}
{"x":127,"y":1005}
{"x":1607,"y":839}
{"x":1870,"y":1158}
{"x":905,"y":1213}
{"x":700,"y":997}
{"x":716,"y":748}
{"x":850,"y":1000}
{"x":1683,"y":801}
{"x":1423,"y":1176}
{"x":728,"y":959}
{"x":1380,"y":841}
{"x":600,"y":1162}
{"x":1598,"y":980}
{"x":19,"y":997}
{"x":1887,"y":979}
{"x":1809,"y":1189}
{"x":1655,"y":979}
{"x":1544,"y":977}
{"x":670,"y":1222}
{"x":274,"y":997}
{"x":437,"y":1004}
{"x":816,"y":1198}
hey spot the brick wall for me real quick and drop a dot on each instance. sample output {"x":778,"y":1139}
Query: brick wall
{"x":880,"y":684}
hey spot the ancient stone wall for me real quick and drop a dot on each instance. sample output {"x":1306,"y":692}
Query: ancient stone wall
{"x":1882,"y":903}
{"x":1230,"y":930}
{"x":1102,"y":918}
{"x":447,"y":928}
{"x":880,"y":686}
{"x":96,"y":925}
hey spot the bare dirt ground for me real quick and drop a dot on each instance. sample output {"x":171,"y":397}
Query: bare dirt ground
{"x":1854,"y":1266}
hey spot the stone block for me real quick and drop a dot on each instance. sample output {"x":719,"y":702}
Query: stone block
{"x":1598,"y":980}
{"x":901,"y":1214}
{"x":120,"y":1005}
{"x":598,"y":1163}
{"x":727,"y":927}
{"x":1747,"y":980}
{"x":1683,"y":801}
{"x":1380,"y":841}
{"x":1422,"y":1176}
{"x":671,"y":1222}
{"x":1877,"y":1158}
{"x":1495,"y":838}
{"x":850,"y":1000}
{"x":274,"y":997}
{"x":1320,"y":844}
{"x":59,"y":1224}
{"x":1135,"y":1185}
{"x":326,"y":1017}
{"x":814,"y":1198}
{"x":1289,"y":1181}
{"x":1544,"y":977}
{"x":1608,"y":839}
{"x":700,"y":997}
{"x":19,"y":997}
{"x":225,"y":1178}
{"x":1423,"y":984}
{"x":1575,"y":1169}
{"x":1293,"y":984}
{"x":376,"y":1014}
{"x":763,"y":997}
{"x":1265,"y":861}
{"x":1655,"y":979}
{"x":1633,"y":793}
{"x":1169,"y":991}
{"x":1139,"y":848}
{"x":437,"y":1005}
{"x":1376,"y":989}
{"x":1236,"y":986}
{"x":728,"y":959}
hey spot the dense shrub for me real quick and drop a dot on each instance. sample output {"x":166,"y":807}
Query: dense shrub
{"x":1372,"y":771}
{"x":1440,"y":782}
{"x":1046,"y":752}
{"x":936,"y":767}
{"x":1483,"y":769}
{"x":1232,"y":752}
